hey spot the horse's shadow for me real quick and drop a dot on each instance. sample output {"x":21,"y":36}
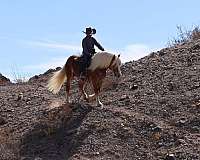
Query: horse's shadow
{"x":58,"y":142}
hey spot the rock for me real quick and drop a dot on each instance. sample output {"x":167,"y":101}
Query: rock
{"x":170,"y":86}
{"x":124,"y":97}
{"x":96,"y":153}
{"x":157,"y":129}
{"x":2,"y":121}
{"x":180,"y":141}
{"x":169,"y":157}
{"x":133,"y":87}
{"x":196,"y":47}
{"x":28,"y":99}
{"x":152,"y":55}
{"x":196,"y":85}
{"x":162,"y":52}
{"x":20,"y":96}
{"x":196,"y":129}
{"x":122,"y":124}
{"x":181,"y":122}
{"x":127,"y":102}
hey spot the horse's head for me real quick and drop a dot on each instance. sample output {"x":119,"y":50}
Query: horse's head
{"x":115,"y":65}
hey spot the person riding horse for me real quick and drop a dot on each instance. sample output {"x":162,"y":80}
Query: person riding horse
{"x":88,"y":50}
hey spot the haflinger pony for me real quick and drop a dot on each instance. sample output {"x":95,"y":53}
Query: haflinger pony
{"x":96,"y":72}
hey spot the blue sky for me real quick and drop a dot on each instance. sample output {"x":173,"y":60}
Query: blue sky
{"x":36,"y":35}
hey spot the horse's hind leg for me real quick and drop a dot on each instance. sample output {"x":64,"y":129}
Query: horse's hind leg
{"x":82,"y":91}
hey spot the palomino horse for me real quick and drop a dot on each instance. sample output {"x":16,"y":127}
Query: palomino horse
{"x":96,"y":72}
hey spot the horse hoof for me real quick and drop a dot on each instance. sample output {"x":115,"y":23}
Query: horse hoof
{"x":68,"y":101}
{"x":100,"y":105}
{"x":86,"y":98}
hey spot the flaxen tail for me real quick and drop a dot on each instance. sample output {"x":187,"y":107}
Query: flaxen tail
{"x":56,"y":81}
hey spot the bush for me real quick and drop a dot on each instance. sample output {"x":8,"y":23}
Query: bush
{"x":17,"y":75}
{"x":184,"y":35}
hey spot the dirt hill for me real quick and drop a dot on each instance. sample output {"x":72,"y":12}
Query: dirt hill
{"x":153,"y":113}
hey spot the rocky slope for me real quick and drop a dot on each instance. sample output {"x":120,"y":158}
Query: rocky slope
{"x":4,"y":80}
{"x":153,"y":112}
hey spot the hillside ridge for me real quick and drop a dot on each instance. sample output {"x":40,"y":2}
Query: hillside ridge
{"x":152,"y":112}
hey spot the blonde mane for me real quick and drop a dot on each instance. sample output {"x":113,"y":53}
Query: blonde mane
{"x":100,"y":60}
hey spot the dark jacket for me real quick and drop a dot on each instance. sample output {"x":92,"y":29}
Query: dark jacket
{"x":88,"y":45}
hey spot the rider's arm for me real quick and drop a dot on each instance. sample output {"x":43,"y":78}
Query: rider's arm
{"x":98,"y":44}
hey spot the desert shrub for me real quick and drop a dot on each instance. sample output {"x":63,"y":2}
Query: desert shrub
{"x":185,"y":35}
{"x":17,"y":75}
{"x":195,"y":34}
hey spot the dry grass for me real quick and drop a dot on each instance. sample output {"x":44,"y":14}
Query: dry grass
{"x":17,"y":75}
{"x":185,"y":35}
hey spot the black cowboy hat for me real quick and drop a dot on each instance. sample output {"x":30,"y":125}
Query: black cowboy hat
{"x":90,"y":30}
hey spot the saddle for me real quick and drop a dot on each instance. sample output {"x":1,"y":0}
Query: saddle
{"x":80,"y":61}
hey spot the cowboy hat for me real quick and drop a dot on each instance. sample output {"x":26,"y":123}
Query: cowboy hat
{"x":89,"y":30}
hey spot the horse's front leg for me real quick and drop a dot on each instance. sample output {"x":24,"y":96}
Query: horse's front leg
{"x":97,"y":87}
{"x":98,"y":102}
{"x":82,"y":90}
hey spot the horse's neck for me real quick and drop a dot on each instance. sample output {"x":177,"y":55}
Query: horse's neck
{"x":100,"y":60}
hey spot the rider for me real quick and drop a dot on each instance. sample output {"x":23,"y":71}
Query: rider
{"x":88,"y":49}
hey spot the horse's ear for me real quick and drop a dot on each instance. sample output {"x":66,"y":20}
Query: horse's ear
{"x":118,"y":55}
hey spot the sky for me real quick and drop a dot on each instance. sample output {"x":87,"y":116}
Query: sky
{"x":36,"y":35}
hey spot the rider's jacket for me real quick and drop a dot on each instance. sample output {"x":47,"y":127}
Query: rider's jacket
{"x":88,"y":45}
